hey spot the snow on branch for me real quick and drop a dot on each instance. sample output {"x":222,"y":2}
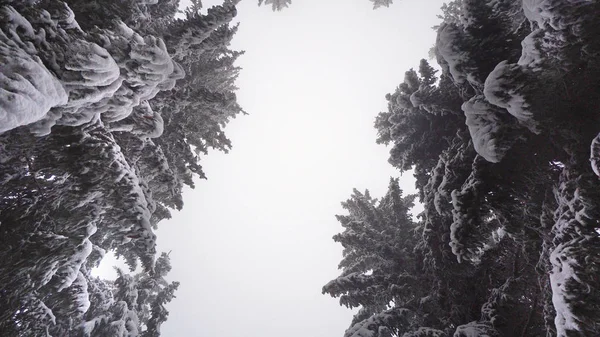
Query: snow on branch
{"x":506,"y":87}
{"x":447,"y":46}
{"x":487,"y":129}
{"x":552,"y":12}
{"x":425,"y":332}
{"x":371,"y":326}
{"x":27,"y":89}
{"x":595,"y":155}
{"x":54,"y":73}
{"x":476,"y":329}
{"x":576,"y":256}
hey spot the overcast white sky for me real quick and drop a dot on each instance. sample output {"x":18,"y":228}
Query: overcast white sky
{"x":252,"y":247}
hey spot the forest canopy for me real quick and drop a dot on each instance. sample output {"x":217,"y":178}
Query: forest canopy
{"x":105,"y":110}
{"x":503,"y":143}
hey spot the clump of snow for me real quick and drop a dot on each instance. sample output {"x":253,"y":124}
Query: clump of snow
{"x":82,"y":298}
{"x":17,"y":28}
{"x":341,"y":284}
{"x":476,"y":329}
{"x":146,"y":69}
{"x":563,"y":273}
{"x":127,"y":71}
{"x":371,"y":326}
{"x":27,"y":89}
{"x":425,"y":332}
{"x":485,"y":127}
{"x":65,"y":19}
{"x":132,"y":323}
{"x":106,"y":73}
{"x":89,"y":65}
{"x":552,"y":12}
{"x":574,"y":255}
{"x":91,"y":76}
{"x":88,"y":327}
{"x":531,"y":54}
{"x":416,"y":99}
{"x":533,"y":10}
{"x":143,"y":122}
{"x":449,"y":50}
{"x":595,"y":155}
{"x":505,"y":87}
{"x":70,"y":270}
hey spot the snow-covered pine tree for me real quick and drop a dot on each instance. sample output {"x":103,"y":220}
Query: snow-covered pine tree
{"x":421,"y":120}
{"x":196,"y":111}
{"x":84,"y":195}
{"x":276,"y":5}
{"x":379,"y":267}
{"x":81,"y":170}
{"x":131,"y":305}
{"x":488,"y":192}
{"x":381,"y":3}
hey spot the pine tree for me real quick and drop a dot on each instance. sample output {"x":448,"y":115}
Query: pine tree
{"x":84,"y":170}
{"x":276,"y":5}
{"x":500,"y":249}
{"x":378,"y":267}
{"x":381,"y":3}
{"x":417,"y":111}
{"x":129,"y":305}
